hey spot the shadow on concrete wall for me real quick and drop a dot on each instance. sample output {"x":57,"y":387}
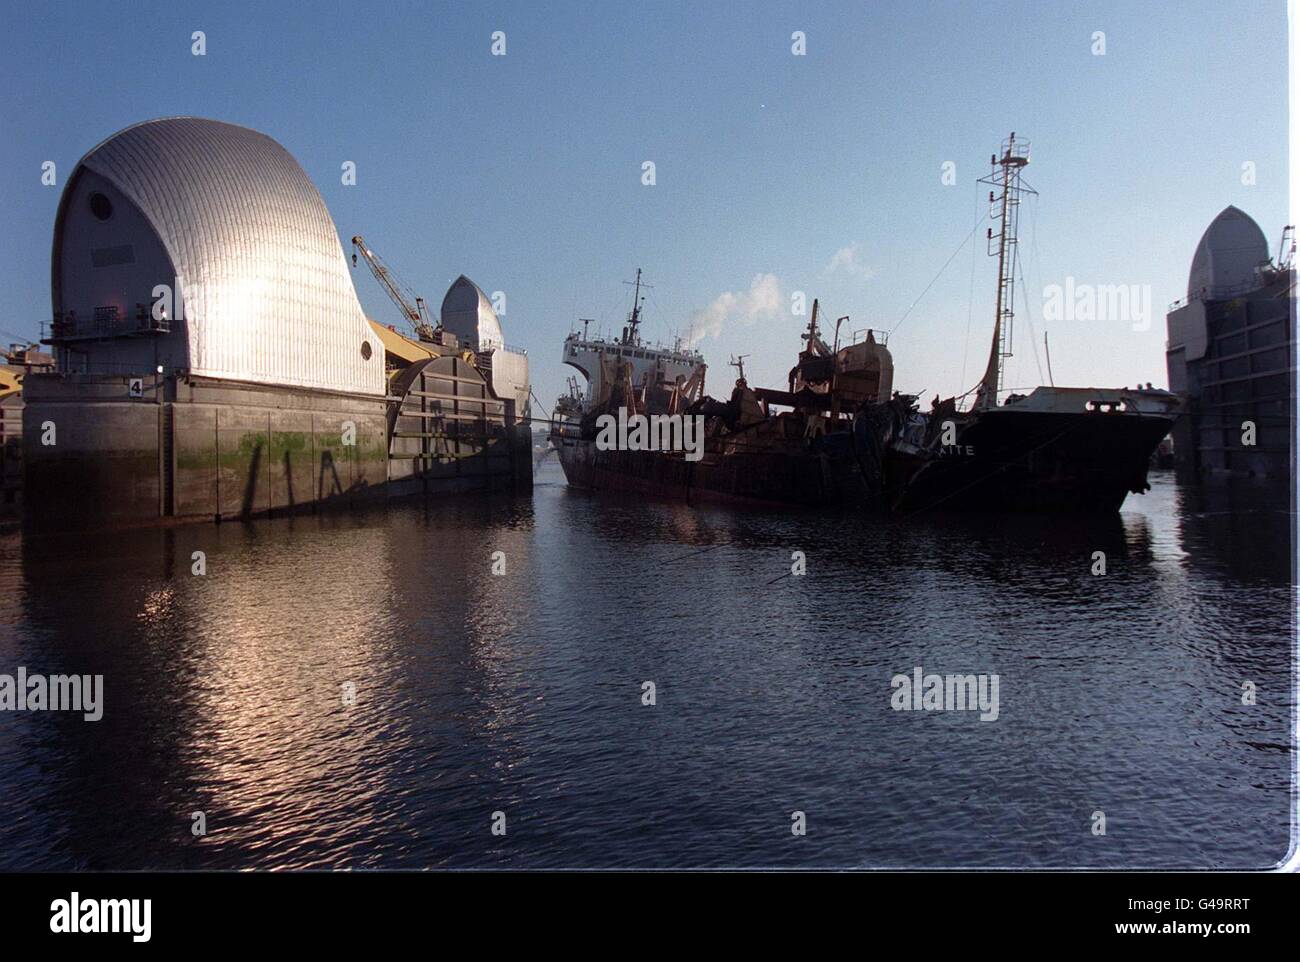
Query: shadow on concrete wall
{"x":250,"y":487}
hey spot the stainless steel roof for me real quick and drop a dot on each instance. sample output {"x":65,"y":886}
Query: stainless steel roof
{"x":268,"y":295}
{"x":1229,"y":251}
{"x":467,"y":313}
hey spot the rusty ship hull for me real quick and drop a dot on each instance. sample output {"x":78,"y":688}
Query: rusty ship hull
{"x":757,"y":479}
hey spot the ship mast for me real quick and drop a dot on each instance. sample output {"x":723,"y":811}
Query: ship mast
{"x":1004,"y":207}
{"x":634,"y":319}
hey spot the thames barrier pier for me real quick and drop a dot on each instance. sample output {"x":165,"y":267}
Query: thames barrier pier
{"x":212,"y":359}
{"x":1231,"y":352}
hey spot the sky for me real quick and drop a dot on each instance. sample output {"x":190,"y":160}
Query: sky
{"x":845,"y":173}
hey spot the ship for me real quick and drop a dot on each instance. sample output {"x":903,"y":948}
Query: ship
{"x":1056,"y":449}
{"x":1075,"y":450}
{"x":828,"y":448}
{"x":839,"y":435}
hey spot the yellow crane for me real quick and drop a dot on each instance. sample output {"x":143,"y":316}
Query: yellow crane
{"x":412,"y":307}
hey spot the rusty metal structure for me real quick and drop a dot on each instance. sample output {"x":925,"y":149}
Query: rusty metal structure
{"x":768,"y":446}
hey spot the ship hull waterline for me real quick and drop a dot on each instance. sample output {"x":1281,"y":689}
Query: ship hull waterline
{"x":758,"y":480}
{"x":1002,"y":461}
{"x":1029,"y":461}
{"x":751,"y":480}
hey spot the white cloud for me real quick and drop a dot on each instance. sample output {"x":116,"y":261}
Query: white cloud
{"x":738,"y":308}
{"x":846,"y":261}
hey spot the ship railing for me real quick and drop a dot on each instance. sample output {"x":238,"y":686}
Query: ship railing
{"x":599,"y":343}
{"x":1214,"y":294}
{"x":1014,"y":148}
{"x":564,"y":428}
{"x":79,"y":364}
{"x":106,"y":324}
{"x":860,"y":335}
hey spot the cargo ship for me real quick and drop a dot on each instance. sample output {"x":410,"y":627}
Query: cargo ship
{"x":814,"y":454}
{"x":838,"y":434}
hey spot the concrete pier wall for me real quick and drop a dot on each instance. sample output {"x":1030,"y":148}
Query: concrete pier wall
{"x":193,"y":448}
{"x":11,"y":455}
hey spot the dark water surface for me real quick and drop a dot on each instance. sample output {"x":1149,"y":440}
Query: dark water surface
{"x":522,"y":693}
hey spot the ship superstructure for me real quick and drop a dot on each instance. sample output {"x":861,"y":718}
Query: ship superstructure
{"x":629,"y":372}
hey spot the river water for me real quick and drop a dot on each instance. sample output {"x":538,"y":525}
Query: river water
{"x":361,"y":690}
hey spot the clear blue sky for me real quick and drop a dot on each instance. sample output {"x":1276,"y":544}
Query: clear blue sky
{"x":524,"y":171}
